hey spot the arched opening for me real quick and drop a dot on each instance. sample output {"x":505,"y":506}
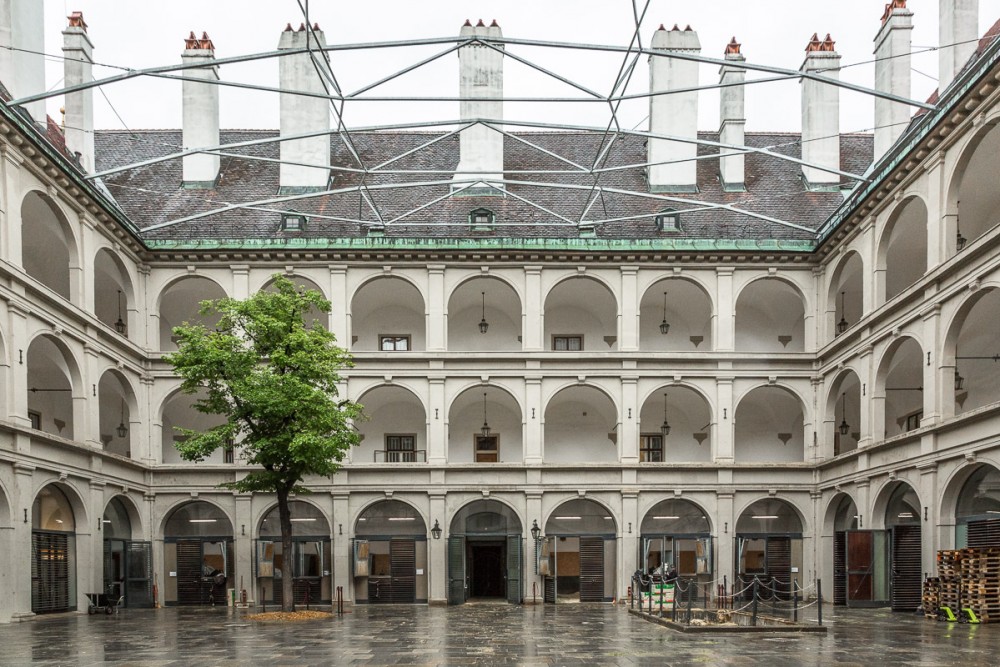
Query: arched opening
{"x":902,"y":522}
{"x":769,"y":546}
{"x":114,"y":298}
{"x":311,"y":563}
{"x":311,"y":317}
{"x":485,"y":426}
{"x":48,"y":247}
{"x":974,"y":351}
{"x":901,"y":383}
{"x":581,"y":314}
{"x":973,"y":196}
{"x":902,"y":256}
{"x":388,"y":315}
{"x":578,"y":556}
{"x":395,"y":430}
{"x":128,"y":563}
{"x":843,"y":514}
{"x":53,"y":552}
{"x":179,"y":413}
{"x":843,"y":413}
{"x":581,"y":425}
{"x":390,"y":554}
{"x":675,"y":426}
{"x":484,"y":314}
{"x":53,"y":379}
{"x":770,"y":317}
{"x":198,"y":555}
{"x":977,"y":513}
{"x":117,"y":419}
{"x":769,"y":426}
{"x":845,"y":300}
{"x":180,"y":304}
{"x":675,"y":315}
{"x":677,"y":537}
{"x":485,"y":553}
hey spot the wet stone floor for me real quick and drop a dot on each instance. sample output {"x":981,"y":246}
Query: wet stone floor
{"x":481,"y":634}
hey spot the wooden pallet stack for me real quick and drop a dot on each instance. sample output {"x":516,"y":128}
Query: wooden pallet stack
{"x":981,"y":582}
{"x":949,"y":579}
{"x":931,"y":599}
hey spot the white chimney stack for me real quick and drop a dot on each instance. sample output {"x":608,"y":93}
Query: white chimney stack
{"x":732,"y":119}
{"x":674,"y":114}
{"x":958,"y":32}
{"x":481,"y":91}
{"x":892,"y":74}
{"x":79,"y":106}
{"x":201,"y":112}
{"x":22,"y":42}
{"x":304,"y":115}
{"x":821,"y":114}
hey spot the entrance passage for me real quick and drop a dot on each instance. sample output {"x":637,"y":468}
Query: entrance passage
{"x":487,"y":569}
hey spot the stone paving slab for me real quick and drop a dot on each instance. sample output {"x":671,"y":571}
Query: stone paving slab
{"x":481,"y":635}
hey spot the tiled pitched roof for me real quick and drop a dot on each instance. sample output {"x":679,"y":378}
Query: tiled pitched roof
{"x":153,"y":194}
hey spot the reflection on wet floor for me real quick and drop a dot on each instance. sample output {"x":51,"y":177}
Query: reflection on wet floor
{"x":481,"y":634}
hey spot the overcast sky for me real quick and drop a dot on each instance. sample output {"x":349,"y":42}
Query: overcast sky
{"x":135,"y":34}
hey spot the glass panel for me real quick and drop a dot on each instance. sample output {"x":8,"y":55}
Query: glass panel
{"x":115,"y":523}
{"x":265,"y":558}
{"x":580,"y":517}
{"x":880,"y":568}
{"x":309,"y":560}
{"x":390,"y":517}
{"x":961,"y":536}
{"x":51,"y":511}
{"x":675,"y":517}
{"x":769,"y":516}
{"x":197,"y":518}
{"x":980,"y":495}
{"x":307,"y":520}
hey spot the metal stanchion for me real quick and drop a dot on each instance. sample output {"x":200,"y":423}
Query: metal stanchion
{"x":756,"y":597}
{"x":690,"y":603}
{"x":819,"y":603}
{"x":795,"y":602}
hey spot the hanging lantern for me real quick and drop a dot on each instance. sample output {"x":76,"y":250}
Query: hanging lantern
{"x":120,"y":325}
{"x":485,"y":430}
{"x":844,"y":427}
{"x":122,"y":429}
{"x":484,"y":326}
{"x":842,"y":324}
{"x":665,"y":428}
{"x":664,"y":327}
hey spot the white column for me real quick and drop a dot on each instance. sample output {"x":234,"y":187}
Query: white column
{"x":534,"y":326}
{"x":724,"y":431}
{"x":628,"y":431}
{"x":437,"y":326}
{"x":628,"y":297}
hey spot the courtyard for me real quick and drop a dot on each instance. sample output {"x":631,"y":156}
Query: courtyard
{"x":480,"y":634}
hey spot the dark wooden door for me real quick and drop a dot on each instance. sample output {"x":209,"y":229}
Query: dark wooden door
{"x":860,"y":566}
{"x":591,"y":569}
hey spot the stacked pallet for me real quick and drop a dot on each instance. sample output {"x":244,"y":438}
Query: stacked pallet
{"x":949,"y":579}
{"x":981,"y":582}
{"x":931,"y":599}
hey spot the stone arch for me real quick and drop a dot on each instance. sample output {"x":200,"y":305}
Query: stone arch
{"x":484,"y":301}
{"x":132,"y":510}
{"x":390,"y":306}
{"x":885,"y":497}
{"x":398,"y":505}
{"x":179,"y":505}
{"x":769,"y":425}
{"x":50,"y":250}
{"x":73,"y":496}
{"x":486,"y":505}
{"x":843,"y":407}
{"x":689,"y":314}
{"x":56,"y":400}
{"x":264,"y":514}
{"x":696,"y":510}
{"x":971,"y":354}
{"x":395,"y":430}
{"x":835,"y":517}
{"x":580,"y":308}
{"x":312,"y":316}
{"x":177,"y":302}
{"x":690,"y":418}
{"x":177,"y":410}
{"x":770,"y":316}
{"x":956,"y":491}
{"x":973,"y":198}
{"x":117,"y":407}
{"x":901,"y":258}
{"x":114,"y":292}
{"x":580,"y":423}
{"x":466,"y":416}
{"x":898,"y":395}
{"x":845,"y":294}
{"x":596,"y":507}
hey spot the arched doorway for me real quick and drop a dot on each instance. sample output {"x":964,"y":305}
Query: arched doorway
{"x":902,"y":522}
{"x":179,"y":304}
{"x":485,"y":553}
{"x":977,"y":515}
{"x":128,"y":563}
{"x":388,"y":315}
{"x":843,"y":414}
{"x":484,"y":314}
{"x":53,"y":552}
{"x":769,"y":426}
{"x":899,"y":388}
{"x":581,"y":424}
{"x":53,"y":384}
{"x":48,"y":246}
{"x":198,"y":555}
{"x":770,"y":317}
{"x":769,"y":546}
{"x":395,"y":428}
{"x":578,"y":553}
{"x":114,"y":300}
{"x":580,"y":314}
{"x":676,"y":535}
{"x":845,"y":298}
{"x":311,"y":564}
{"x":675,"y":314}
{"x":390,"y":554}
{"x":902,"y":253}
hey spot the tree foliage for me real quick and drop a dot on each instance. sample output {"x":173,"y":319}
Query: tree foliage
{"x":274,"y":380}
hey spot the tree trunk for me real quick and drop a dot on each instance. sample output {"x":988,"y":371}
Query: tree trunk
{"x":287,"y":557}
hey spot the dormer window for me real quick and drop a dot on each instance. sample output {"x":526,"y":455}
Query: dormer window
{"x":668,"y":220}
{"x":482,"y":219}
{"x":293,"y":222}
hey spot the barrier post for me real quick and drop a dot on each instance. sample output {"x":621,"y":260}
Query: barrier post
{"x":756,"y":597}
{"x":690,"y":602}
{"x":819,"y":604}
{"x":795,"y":601}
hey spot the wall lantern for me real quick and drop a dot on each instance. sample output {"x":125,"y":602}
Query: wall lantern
{"x":535,"y":530}
{"x":484,"y":326}
{"x":960,"y":240}
{"x":664,"y":327}
{"x":436,"y":530}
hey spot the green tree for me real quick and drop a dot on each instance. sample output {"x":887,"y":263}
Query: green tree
{"x":274,"y":379}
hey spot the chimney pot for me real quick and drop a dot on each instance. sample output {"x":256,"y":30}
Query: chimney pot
{"x":661,"y":27}
{"x":316,"y":27}
{"x":288,"y":27}
{"x":688,"y":28}
{"x":302,"y":27}
{"x":480,"y":24}
{"x":76,"y":20}
{"x":467,"y":23}
{"x":733,"y":46}
{"x":494,"y":24}
{"x":675,"y":28}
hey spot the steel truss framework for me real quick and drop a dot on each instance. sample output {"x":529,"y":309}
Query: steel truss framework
{"x":594,"y":171}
